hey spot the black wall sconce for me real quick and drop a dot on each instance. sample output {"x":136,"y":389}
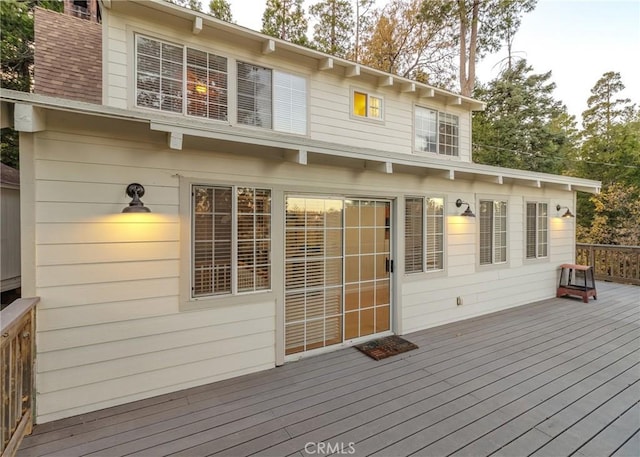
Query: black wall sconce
{"x":467,"y":212}
{"x":135,"y":191}
{"x":567,"y":214}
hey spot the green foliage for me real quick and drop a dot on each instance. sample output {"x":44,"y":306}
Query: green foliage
{"x":523,"y":126}
{"x":610,"y":152}
{"x":220,"y":9}
{"x":9,"y":151}
{"x":334,"y":28}
{"x":191,"y":4}
{"x":285,"y":19}
{"x":16,"y":34}
{"x":616,"y":216}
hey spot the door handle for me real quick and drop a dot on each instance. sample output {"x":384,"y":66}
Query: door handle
{"x":389,"y":265}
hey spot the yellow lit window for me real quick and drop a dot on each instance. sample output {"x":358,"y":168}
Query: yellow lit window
{"x":360,"y":104}
{"x":365,"y":105}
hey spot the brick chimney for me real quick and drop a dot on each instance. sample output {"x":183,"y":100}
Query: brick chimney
{"x":83,"y":9}
{"x":68,"y":52}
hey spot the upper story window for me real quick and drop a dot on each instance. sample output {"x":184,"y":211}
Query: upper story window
{"x":493,"y":232}
{"x":537,"y":231}
{"x":189,"y":81}
{"x":180,"y":80}
{"x":271,"y":99}
{"x":367,"y":105}
{"x":424,"y":234}
{"x":436,"y":132}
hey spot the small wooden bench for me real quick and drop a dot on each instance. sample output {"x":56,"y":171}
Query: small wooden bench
{"x":568,"y":282}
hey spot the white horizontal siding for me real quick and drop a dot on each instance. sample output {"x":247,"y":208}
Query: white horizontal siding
{"x":109,"y":325}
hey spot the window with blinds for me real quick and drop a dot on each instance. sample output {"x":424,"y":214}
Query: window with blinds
{"x":231,"y":240}
{"x":179,"y":79}
{"x":493,"y":232}
{"x":413,"y":235}
{"x":424,"y":244}
{"x":289,"y":103}
{"x":435,"y":234}
{"x":206,"y":85}
{"x":537,"y":230}
{"x":435,"y":132}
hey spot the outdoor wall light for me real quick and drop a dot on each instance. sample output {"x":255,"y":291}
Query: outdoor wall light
{"x":467,"y":212}
{"x":567,"y":214}
{"x":135,"y":191}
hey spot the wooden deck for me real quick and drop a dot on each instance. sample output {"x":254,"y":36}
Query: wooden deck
{"x":553,"y":378}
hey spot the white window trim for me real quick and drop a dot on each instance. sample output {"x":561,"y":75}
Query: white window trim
{"x":536,"y":259}
{"x":493,"y":265}
{"x":437,"y":153}
{"x":187,"y":301}
{"x":368,"y":93}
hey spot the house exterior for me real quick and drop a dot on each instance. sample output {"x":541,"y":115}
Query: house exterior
{"x":9,"y":228}
{"x":299,"y":203}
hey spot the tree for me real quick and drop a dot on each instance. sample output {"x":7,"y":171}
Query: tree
{"x":523,"y":126}
{"x":615,"y":217}
{"x":364,"y":23}
{"x":285,"y":19}
{"x":610,"y":150}
{"x":333,"y":31}
{"x":191,"y":4}
{"x":480,"y":27}
{"x":403,"y":43}
{"x":221,"y":9}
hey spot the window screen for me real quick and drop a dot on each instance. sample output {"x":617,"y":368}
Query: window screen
{"x":254,"y":95}
{"x":493,"y":232}
{"x":537,"y":231}
{"x":435,"y":234}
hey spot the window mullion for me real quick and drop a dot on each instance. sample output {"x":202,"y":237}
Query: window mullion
{"x":234,"y":240}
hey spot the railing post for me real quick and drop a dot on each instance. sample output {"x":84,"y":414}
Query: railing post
{"x":17,"y":347}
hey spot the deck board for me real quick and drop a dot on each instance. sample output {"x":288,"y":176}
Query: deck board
{"x":553,"y":378}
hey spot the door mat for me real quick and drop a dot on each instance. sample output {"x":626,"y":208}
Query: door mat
{"x":385,"y":347}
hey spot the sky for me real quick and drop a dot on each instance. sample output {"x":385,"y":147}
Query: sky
{"x":578,"y":40}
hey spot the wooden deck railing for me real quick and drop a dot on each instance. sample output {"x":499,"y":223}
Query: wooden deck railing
{"x":17,"y":348}
{"x":611,"y":263}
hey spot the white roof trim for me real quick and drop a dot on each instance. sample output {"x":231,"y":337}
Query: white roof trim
{"x":177,"y":127}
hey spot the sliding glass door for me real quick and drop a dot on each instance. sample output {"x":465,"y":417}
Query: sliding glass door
{"x":337,"y":262}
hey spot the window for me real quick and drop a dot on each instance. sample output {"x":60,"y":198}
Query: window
{"x":254,"y":95}
{"x":289,"y":103}
{"x":435,"y":234}
{"x":537,"y":230}
{"x":493,"y":232}
{"x":231,"y":240}
{"x":424,"y":249}
{"x":413,"y":235}
{"x":189,"y":81}
{"x":436,"y":132}
{"x":168,"y":74}
{"x":365,"y":105}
